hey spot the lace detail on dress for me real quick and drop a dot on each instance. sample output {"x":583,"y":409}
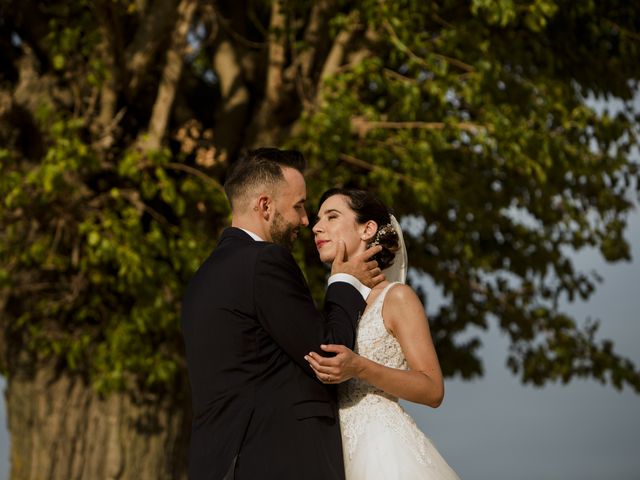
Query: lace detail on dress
{"x":361,"y":403}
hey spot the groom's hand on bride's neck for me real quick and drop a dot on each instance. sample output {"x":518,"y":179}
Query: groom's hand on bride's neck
{"x":360,"y":266}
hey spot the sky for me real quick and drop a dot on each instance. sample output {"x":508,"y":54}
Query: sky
{"x":497,"y":429}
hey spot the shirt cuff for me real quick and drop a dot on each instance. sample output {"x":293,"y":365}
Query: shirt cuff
{"x":351,"y":280}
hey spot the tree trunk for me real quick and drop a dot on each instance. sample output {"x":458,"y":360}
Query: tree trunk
{"x":61,"y":429}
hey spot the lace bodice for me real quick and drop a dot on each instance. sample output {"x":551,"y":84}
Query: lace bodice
{"x":361,"y":403}
{"x":374,"y":341}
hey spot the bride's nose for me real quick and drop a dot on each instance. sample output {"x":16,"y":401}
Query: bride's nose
{"x":317,"y":228}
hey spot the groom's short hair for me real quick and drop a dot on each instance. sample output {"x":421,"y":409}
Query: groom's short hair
{"x":259,"y":168}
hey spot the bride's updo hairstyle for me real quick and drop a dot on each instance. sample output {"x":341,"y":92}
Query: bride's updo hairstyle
{"x":367,"y":207}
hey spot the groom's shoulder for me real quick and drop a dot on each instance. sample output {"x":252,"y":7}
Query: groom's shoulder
{"x":273,"y":252}
{"x":237,"y":239}
{"x":234,"y":235}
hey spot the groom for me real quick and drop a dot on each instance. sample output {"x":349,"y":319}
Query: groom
{"x":248,"y":321}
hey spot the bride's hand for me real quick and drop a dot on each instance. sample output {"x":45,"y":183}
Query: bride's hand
{"x":340,"y":368}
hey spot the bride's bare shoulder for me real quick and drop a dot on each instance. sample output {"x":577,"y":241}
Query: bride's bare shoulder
{"x":402,"y":306}
{"x":400,"y":294}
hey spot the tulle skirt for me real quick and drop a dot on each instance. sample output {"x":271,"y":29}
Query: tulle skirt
{"x":382,"y":452}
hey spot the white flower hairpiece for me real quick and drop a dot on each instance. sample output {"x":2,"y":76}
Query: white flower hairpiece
{"x":382,"y":231}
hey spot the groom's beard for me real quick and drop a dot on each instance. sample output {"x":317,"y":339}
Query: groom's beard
{"x":282,"y":232}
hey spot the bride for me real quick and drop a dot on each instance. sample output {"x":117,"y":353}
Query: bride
{"x":394,"y":355}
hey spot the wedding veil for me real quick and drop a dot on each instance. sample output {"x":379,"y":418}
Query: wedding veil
{"x":397,"y":272}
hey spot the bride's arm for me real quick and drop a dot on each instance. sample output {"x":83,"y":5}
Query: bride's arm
{"x":404,"y":317}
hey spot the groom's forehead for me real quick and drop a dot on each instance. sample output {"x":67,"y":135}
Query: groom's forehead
{"x":292,"y":175}
{"x":294,"y":182}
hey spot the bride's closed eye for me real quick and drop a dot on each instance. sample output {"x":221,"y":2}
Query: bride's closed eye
{"x":329,"y":217}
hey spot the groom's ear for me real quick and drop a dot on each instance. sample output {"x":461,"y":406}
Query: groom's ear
{"x":264,"y":206}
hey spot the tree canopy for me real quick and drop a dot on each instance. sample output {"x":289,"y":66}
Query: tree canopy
{"x":473,"y":120}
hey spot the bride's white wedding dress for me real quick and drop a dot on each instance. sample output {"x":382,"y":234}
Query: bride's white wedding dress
{"x":380,"y":440}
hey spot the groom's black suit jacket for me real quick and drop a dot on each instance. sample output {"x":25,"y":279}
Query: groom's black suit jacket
{"x":248,"y":321}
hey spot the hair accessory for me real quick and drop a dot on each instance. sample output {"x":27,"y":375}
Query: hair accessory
{"x":382,"y":231}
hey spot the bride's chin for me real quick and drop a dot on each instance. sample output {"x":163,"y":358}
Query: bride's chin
{"x":326,"y":259}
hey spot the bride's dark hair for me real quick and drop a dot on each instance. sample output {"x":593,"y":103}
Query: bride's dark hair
{"x":367,"y":207}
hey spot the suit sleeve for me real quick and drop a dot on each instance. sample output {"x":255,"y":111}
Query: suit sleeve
{"x":285,"y":308}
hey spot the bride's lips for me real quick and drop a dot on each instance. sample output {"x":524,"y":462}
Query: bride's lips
{"x":320,"y":243}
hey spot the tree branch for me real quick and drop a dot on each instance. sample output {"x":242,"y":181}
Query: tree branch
{"x":133,"y":197}
{"x":106,"y":135}
{"x":314,"y":49}
{"x":234,"y":106}
{"x":241,"y":39}
{"x":262,"y":129}
{"x":112,"y":83}
{"x":277,"y":51}
{"x":313,"y":36}
{"x":377,"y":168}
{"x":112,"y":51}
{"x":361,"y":126}
{"x":337,"y":54}
{"x":155,"y":21}
{"x":195,"y":172}
{"x":170,"y":77}
{"x":452,"y":61}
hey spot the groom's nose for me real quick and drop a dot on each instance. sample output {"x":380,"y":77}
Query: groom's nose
{"x":304,"y":218}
